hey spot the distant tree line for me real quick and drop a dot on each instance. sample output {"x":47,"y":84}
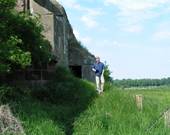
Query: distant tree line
{"x":141,"y":82}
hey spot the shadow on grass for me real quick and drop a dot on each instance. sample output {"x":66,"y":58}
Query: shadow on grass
{"x":61,"y":101}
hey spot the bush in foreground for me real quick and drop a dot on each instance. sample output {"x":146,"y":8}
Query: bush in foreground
{"x":50,"y":109}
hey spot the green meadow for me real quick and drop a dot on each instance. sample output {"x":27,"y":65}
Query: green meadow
{"x":70,"y":106}
{"x":115,"y":113}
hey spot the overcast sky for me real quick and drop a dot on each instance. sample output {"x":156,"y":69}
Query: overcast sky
{"x":133,"y":36}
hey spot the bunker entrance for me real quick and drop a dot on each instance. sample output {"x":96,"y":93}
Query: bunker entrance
{"x":76,"y":70}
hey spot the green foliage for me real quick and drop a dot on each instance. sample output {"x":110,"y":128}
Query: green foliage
{"x":11,"y":93}
{"x":6,"y":5}
{"x":65,"y":88}
{"x":115,"y":112}
{"x":4,"y":92}
{"x":21,"y":39}
{"x":141,"y":82}
{"x":39,"y":118}
{"x":30,"y":30}
{"x":10,"y":52}
{"x":107,"y":74}
{"x":52,"y":108}
{"x":67,"y":105}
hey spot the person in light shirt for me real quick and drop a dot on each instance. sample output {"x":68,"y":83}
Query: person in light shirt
{"x":98,"y":68}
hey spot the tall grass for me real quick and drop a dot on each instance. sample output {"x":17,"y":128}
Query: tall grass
{"x":67,"y":105}
{"x":51,"y":109}
{"x":115,"y":113}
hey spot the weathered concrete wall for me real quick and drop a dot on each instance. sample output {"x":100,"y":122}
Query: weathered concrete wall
{"x":58,"y":31}
{"x":87,"y":73}
{"x":81,"y":57}
{"x":54,"y":20}
{"x":47,"y":20}
{"x":22,"y":5}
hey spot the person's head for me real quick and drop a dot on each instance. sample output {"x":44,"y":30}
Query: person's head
{"x":97,"y":59}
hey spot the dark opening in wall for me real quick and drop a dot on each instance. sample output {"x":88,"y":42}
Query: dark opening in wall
{"x":33,"y":75}
{"x":76,"y":70}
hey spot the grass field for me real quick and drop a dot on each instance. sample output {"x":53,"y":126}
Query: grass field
{"x":70,"y":106}
{"x":115,"y":113}
{"x":50,"y":109}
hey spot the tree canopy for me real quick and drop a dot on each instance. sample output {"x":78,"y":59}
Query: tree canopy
{"x":21,"y":39}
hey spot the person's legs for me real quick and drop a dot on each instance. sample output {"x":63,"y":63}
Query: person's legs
{"x":98,"y":84}
{"x":102,"y":83}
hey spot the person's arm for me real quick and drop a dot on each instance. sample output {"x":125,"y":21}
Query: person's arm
{"x":93,"y":68}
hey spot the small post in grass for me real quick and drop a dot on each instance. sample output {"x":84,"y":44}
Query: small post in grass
{"x":167,"y":118}
{"x":139,"y":101}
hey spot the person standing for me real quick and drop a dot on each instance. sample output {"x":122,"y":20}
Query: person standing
{"x":98,"y":68}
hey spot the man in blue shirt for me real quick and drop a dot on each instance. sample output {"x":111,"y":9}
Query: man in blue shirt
{"x":98,"y":68}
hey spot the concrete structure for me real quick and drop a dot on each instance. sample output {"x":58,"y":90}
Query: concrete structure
{"x":58,"y":31}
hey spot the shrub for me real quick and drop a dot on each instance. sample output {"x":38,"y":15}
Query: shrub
{"x":65,"y":88}
{"x":11,"y":93}
{"x":21,"y":39}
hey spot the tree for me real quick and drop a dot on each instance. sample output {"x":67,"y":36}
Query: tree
{"x":21,"y":39}
{"x":107,"y":74}
{"x":11,"y":53}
